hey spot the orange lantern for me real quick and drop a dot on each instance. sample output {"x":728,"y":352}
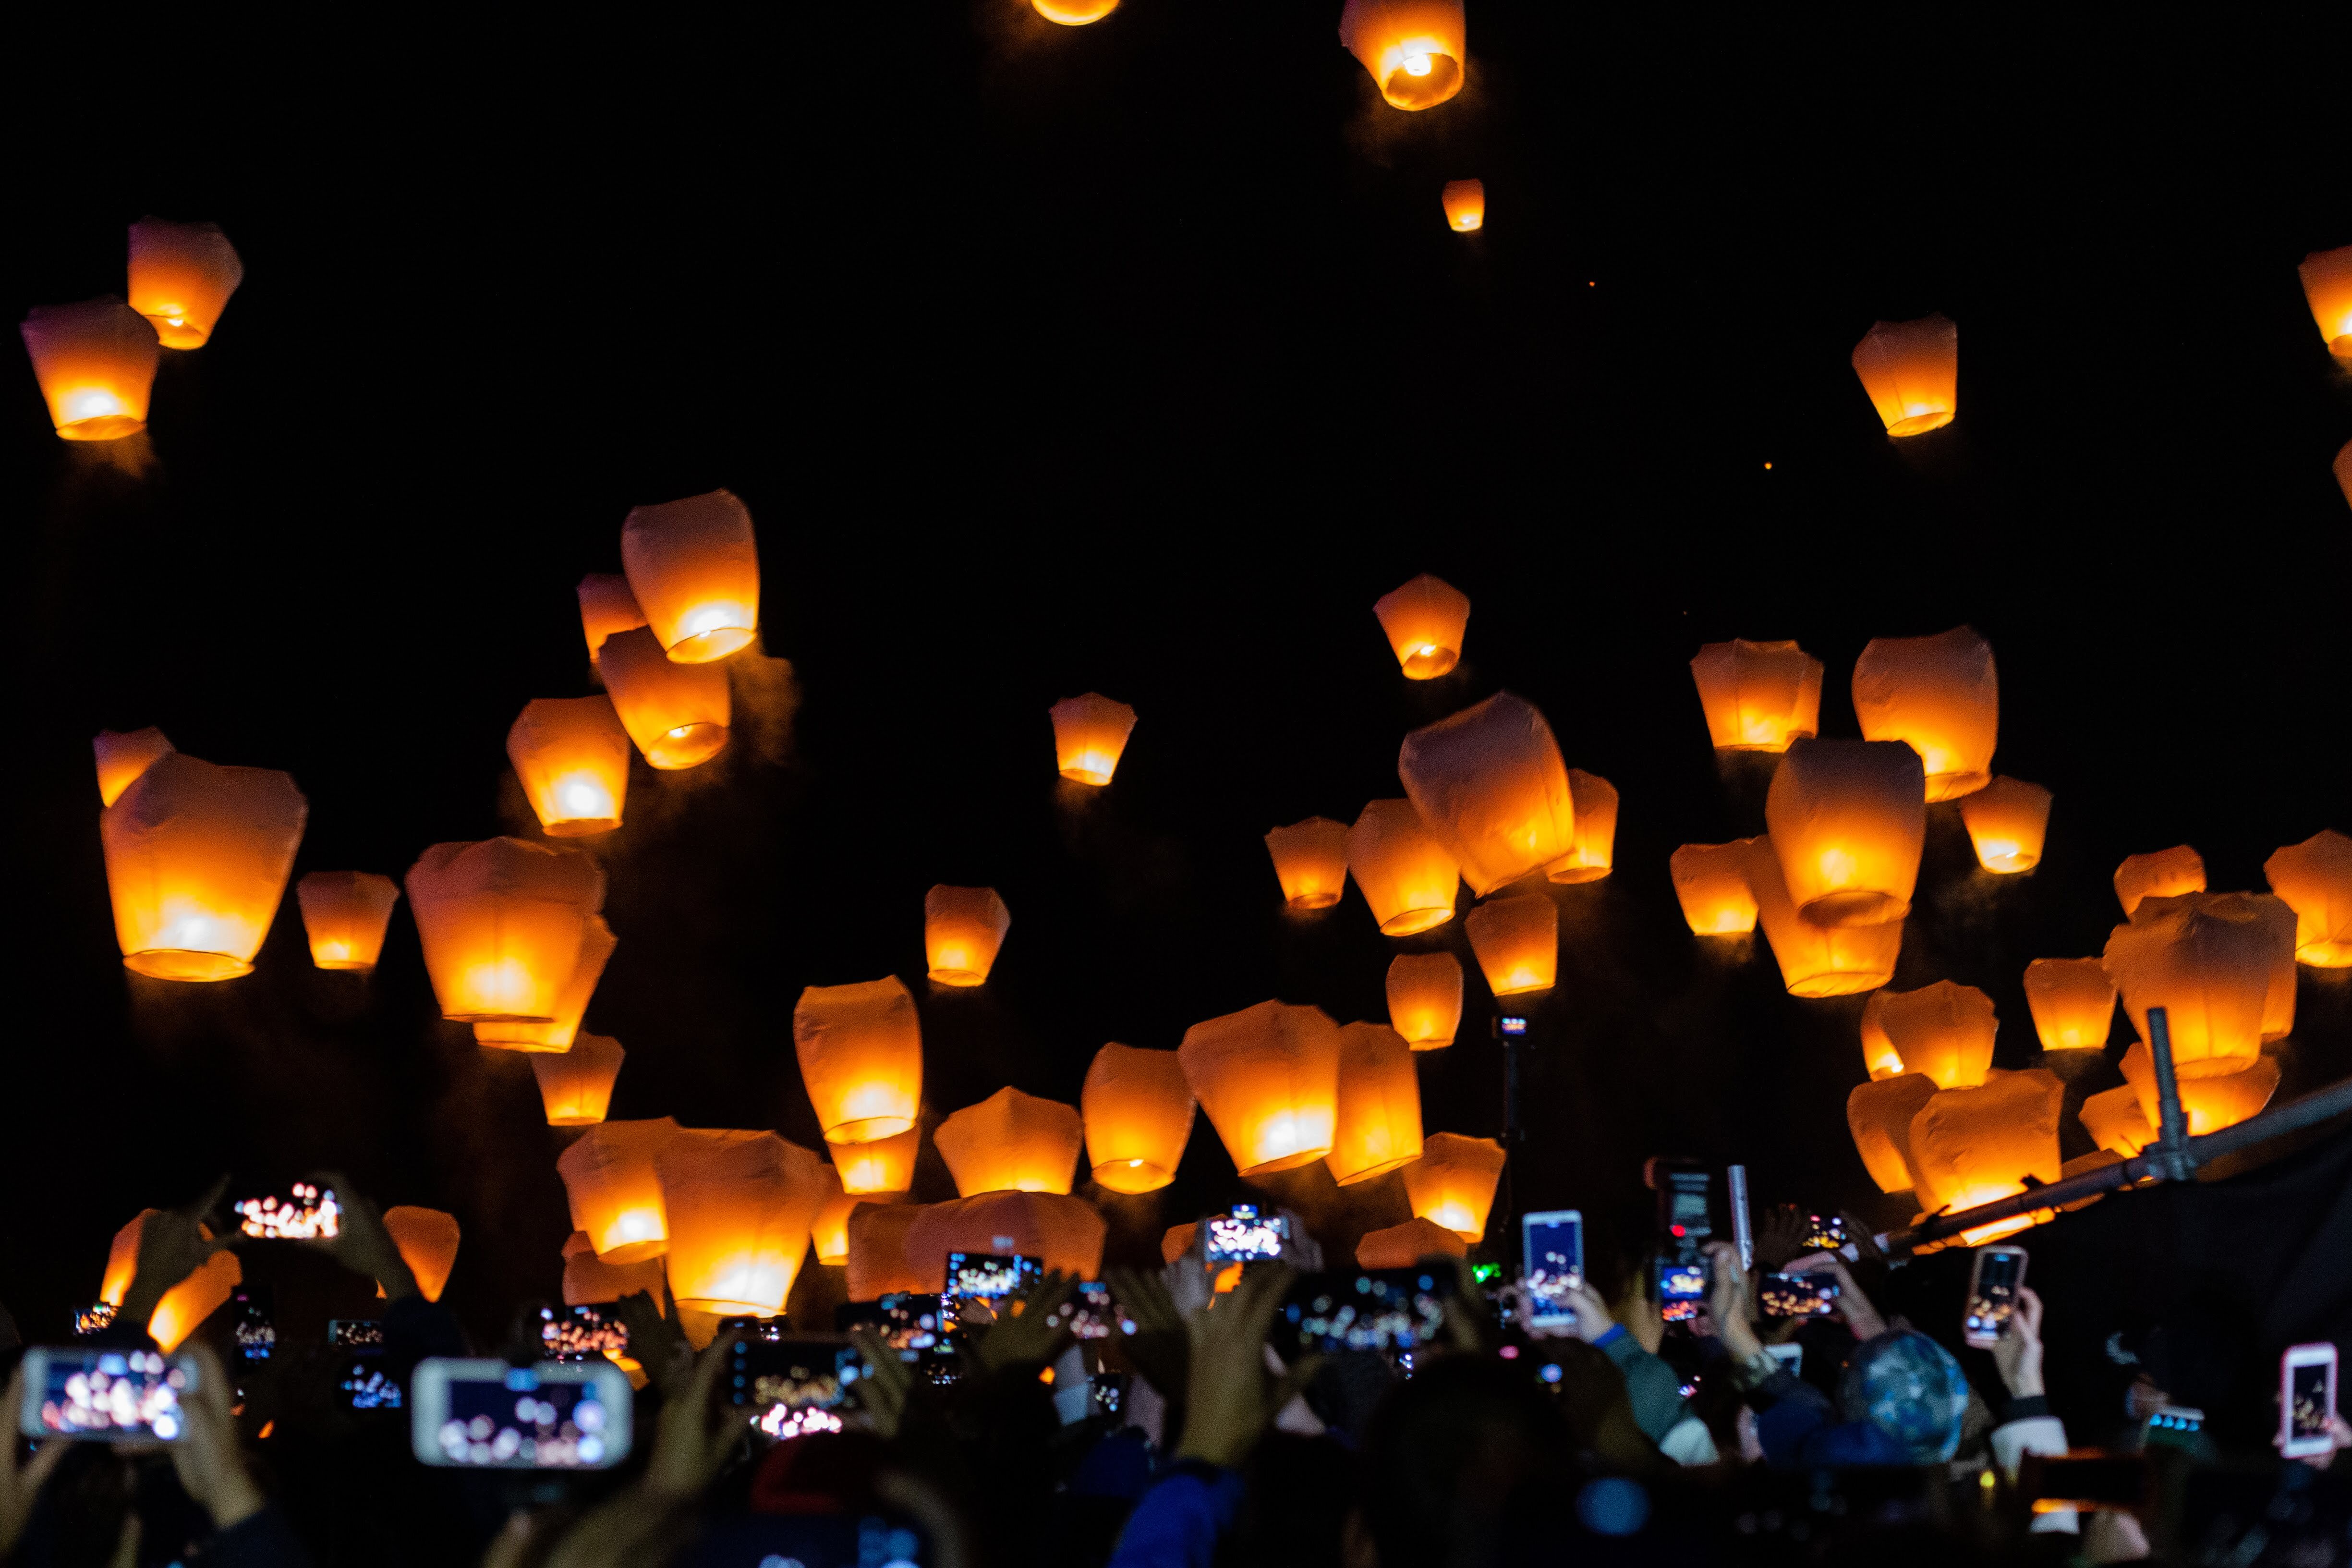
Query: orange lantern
{"x":1010,"y":1143}
{"x":2006,"y":821}
{"x":2207,"y":1104}
{"x":878,"y":1166}
{"x":121,"y":758}
{"x":2315,"y":877}
{"x":615,"y":1195}
{"x":1596,"y":829}
{"x":122,"y":1261}
{"x":196,"y":860}
{"x":427,"y":1239}
{"x":345,"y":914}
{"x":676,"y":713}
{"x":1090,"y":736}
{"x":861,"y":1054}
{"x":1138,"y":1111}
{"x":962,"y":928}
{"x":739,"y":1206}
{"x":1758,"y":696}
{"x":829,"y":1232}
{"x":877,"y":1238}
{"x":502,"y":922}
{"x":1711,"y":883}
{"x":1487,"y":784}
{"x":1972,"y":1146}
{"x":1943,"y":1031}
{"x":2278,"y":920}
{"x":590,"y":1281}
{"x":1405,"y":873}
{"x":1377,"y":1126}
{"x":1064,"y":1232}
{"x":1425,"y":621}
{"x":1268,"y":1077}
{"x":183,"y":1307}
{"x":1517,"y":939}
{"x":1452,"y":1183}
{"x":1403,"y":1246}
{"x":1178,"y":1239}
{"x":2206,"y":961}
{"x":1074,"y":12}
{"x":573,"y":757}
{"x":607,"y":609}
{"x":2113,"y":1119}
{"x":1310,"y":861}
{"x":2327,"y":285}
{"x":96,"y":365}
{"x":181,"y":275}
{"x":1426,"y":998}
{"x":1466,"y":206}
{"x":1879,"y":1115}
{"x":597,"y":945}
{"x":1414,"y":48}
{"x":1911,"y":372}
{"x":1847,"y":820}
{"x":2074,"y":1001}
{"x":694,"y":569}
{"x":1817,"y":960}
{"x":1941,"y":696}
{"x":1880,"y":1060}
{"x":576,"y":1086}
{"x":2160,"y":874}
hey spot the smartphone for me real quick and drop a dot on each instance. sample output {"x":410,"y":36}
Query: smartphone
{"x":364,"y":1383}
{"x":1093,"y":1315}
{"x":306,"y":1213}
{"x":1825,"y":1232}
{"x":1553,"y":1245}
{"x":1365,"y":1310}
{"x":354,"y":1334}
{"x":1790,"y":1356}
{"x":109,"y":1395}
{"x":914,"y":1324}
{"x":988,"y":1277}
{"x":2085,"y":1481}
{"x":2306,"y":1400}
{"x":1681,"y":1288}
{"x":1110,"y":1392}
{"x":251,"y":1310}
{"x":797,"y":1386}
{"x":581,"y":1333}
{"x":1242,"y":1235}
{"x":744,"y":1326}
{"x":1686,"y":1214}
{"x":1797,"y":1295}
{"x":1994,"y":1282}
{"x":490,"y":1415}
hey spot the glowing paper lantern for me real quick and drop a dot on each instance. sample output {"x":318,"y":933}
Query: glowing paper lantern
{"x":1090,"y":736}
{"x":344,"y":913}
{"x":877,"y":1263}
{"x":1879,"y":1056}
{"x":590,"y":1281}
{"x":573,"y":757}
{"x":615,"y":1195}
{"x":1426,"y":998}
{"x":740,"y":1205}
{"x":607,"y":609}
{"x":427,"y":1239}
{"x":861,"y":1054}
{"x":1452,"y":1183}
{"x":1403,"y":1246}
{"x":502,"y":922}
{"x":1941,"y":696}
{"x":1405,"y":873}
{"x":676,"y":713}
{"x":1711,"y":884}
{"x":1310,"y":861}
{"x":1596,"y":829}
{"x":121,"y":758}
{"x":1466,"y":206}
{"x":2278,"y":920}
{"x":1066,"y":1231}
{"x":1911,"y":372}
{"x":184,"y":1307}
{"x":597,"y":945}
{"x":1758,"y":696}
{"x":829,"y":1231}
{"x":1138,"y":1111}
{"x":962,"y":928}
{"x":2113,"y":1119}
{"x":576,"y":1086}
{"x":181,"y":275}
{"x":1074,"y":12}
{"x":1817,"y":960}
{"x":1847,"y":820}
{"x":1377,"y":1126}
{"x":1517,"y":939}
{"x":96,"y":365}
{"x":122,"y":1261}
{"x":2160,"y":874}
{"x":1943,"y":1031}
{"x":1487,"y":784}
{"x":2006,"y":821}
{"x":2327,"y":285}
{"x":1268,"y":1077}
{"x":878,"y":1166}
{"x":1425,"y":621}
{"x":197,"y":861}
{"x":1879,"y":1114}
{"x":1010,"y":1143}
{"x":2207,"y":1104}
{"x":694,"y":569}
{"x":2315,"y":879}
{"x":2074,"y":1001}
{"x":1972,"y":1146}
{"x":1414,"y":48}
{"x":2207,"y":962}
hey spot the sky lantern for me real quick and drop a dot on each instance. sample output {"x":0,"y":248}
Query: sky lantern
{"x":1452,"y":1183}
{"x":2160,"y":874}
{"x":1138,"y":1111}
{"x":1487,"y":784}
{"x":1911,"y":372}
{"x":861,"y":1054}
{"x":122,"y":1261}
{"x":876,"y":1264}
{"x":1942,"y":1031}
{"x":2073,"y":1003}
{"x":1517,"y":939}
{"x":740,"y":1205}
{"x":1010,"y":1143}
{"x":573,"y":757}
{"x":607,"y":609}
{"x":2327,"y":285}
{"x":1817,"y":960}
{"x":2207,"y":962}
{"x":576,"y":1086}
{"x":1404,"y":872}
{"x":1310,"y":861}
{"x":123,"y":757}
{"x":1425,"y":621}
{"x":1414,"y":48}
{"x":1090,"y":736}
{"x":96,"y":365}
{"x":428,"y":1240}
{"x":1878,"y":1114}
{"x":345,"y":914}
{"x":615,"y":1195}
{"x":1596,"y":829}
{"x":2207,"y":1104}
{"x":2006,"y":821}
{"x":590,"y":1281}
{"x":1403,"y":1246}
{"x":1064,"y":1232}
{"x":2315,"y":879}
{"x":597,"y":945}
{"x":181,"y":275}
{"x":694,"y":569}
{"x":1848,"y":820}
{"x":1074,"y":12}
{"x":879,"y":1164}
{"x":196,"y":860}
{"x":1942,"y":696}
{"x":1758,"y":696}
{"x":1378,"y":1123}
{"x":1880,"y":1060}
{"x":502,"y":922}
{"x":1711,"y":884}
{"x":1426,"y":998}
{"x":2272,"y":913}
{"x":1268,"y":1077}
{"x":829,"y":1232}
{"x":962,"y":928}
{"x":1466,"y":206}
{"x":1972,"y":1146}
{"x":676,"y":713}
{"x":2113,"y":1119}
{"x":183,"y":1307}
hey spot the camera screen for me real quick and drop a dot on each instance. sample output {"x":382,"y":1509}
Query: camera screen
{"x":913,"y":1324}
{"x":1555,"y":1259}
{"x":366,"y":1386}
{"x":1246,"y":1236}
{"x":795,"y":1384}
{"x":1824,"y":1232}
{"x":1093,"y":1315}
{"x":1995,"y":1296}
{"x":990,"y":1275}
{"x":1682,"y":1288}
{"x":112,"y":1393}
{"x":94,"y":1319}
{"x":524,"y":1422}
{"x":1796,"y":1295}
{"x":256,"y":1336}
{"x":1687,"y":1219}
{"x":354,"y":1334}
{"x":307,"y":1213}
{"x":581,"y":1333}
{"x":2309,"y":1409}
{"x":1374,"y":1310}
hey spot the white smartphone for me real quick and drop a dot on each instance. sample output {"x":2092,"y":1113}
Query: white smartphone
{"x":1993,"y":1283}
{"x":105,"y":1395}
{"x":1553,"y":1247}
{"x":2306,"y":1400}
{"x":492,"y":1415}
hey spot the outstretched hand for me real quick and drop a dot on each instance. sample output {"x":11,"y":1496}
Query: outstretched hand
{"x":1727,"y":1302}
{"x":1161,"y":1347}
{"x":173,"y":1244}
{"x":208,"y":1457}
{"x":20,"y":1484}
{"x":2018,"y":1352}
{"x":657,"y":1343}
{"x":1030,"y":1328}
{"x":1229,"y":1399}
{"x":1854,"y":1309}
{"x":882,"y":1394}
{"x":361,"y":1243}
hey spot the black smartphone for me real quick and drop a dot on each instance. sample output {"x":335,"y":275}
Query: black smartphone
{"x":364,"y":1384}
{"x":913,"y":1324}
{"x":1093,"y":1315}
{"x":988,"y":1277}
{"x":302,"y":1212}
{"x":108,"y":1395}
{"x":1686,"y":1207}
{"x":796,"y":1385}
{"x":1110,"y":1392}
{"x":1364,"y":1309}
{"x":1797,"y":1295}
{"x":250,"y":1307}
{"x":1825,"y":1232}
{"x":1242,"y":1235}
{"x":354,"y":1333}
{"x":1994,"y":1279}
{"x":750,"y":1328}
{"x":580,"y":1333}
{"x":1681,"y":1288}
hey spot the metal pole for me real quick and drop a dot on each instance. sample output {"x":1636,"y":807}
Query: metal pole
{"x":2171,"y":1147}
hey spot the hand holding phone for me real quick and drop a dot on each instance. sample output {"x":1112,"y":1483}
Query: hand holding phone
{"x":106,"y":1395}
{"x":486,"y":1414}
{"x":1383,"y":1310}
{"x":1797,"y":1295}
{"x":1243,"y":1235}
{"x":1994,"y":1279}
{"x":1553,"y":1243}
{"x":2307,"y":1401}
{"x":309,"y":1214}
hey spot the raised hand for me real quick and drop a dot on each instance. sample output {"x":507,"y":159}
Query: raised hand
{"x":888,"y":1383}
{"x":1030,"y":1328}
{"x":1229,"y":1399}
{"x":2018,"y":1352}
{"x":172,"y":1246}
{"x":361,"y":1243}
{"x":1854,"y":1307}
{"x":207,"y":1456}
{"x":21,"y":1483}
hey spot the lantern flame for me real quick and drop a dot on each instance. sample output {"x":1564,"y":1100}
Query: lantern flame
{"x":96,"y":363}
{"x":2328,"y":286}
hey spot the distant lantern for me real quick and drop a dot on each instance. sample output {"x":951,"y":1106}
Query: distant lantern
{"x":428,"y":1240}
{"x":694,"y":569}
{"x":502,"y":922}
{"x":861,"y":1054}
{"x":1758,"y":696}
{"x":676,"y":713}
{"x":962,"y":928}
{"x":1940,"y":695}
{"x":1466,"y":206}
{"x":1090,"y":736}
{"x":121,"y":758}
{"x":2160,"y":874}
{"x":616,"y":1198}
{"x":1878,"y":1114}
{"x":345,"y":914}
{"x":1817,"y":960}
{"x":590,"y":1281}
{"x":182,"y":1310}
{"x":1065,"y":1233}
{"x":181,"y":275}
{"x":2327,"y":285}
{"x":1488,"y":784}
{"x":1596,"y":829}
{"x":1010,"y":1143}
{"x":879,"y":1164}
{"x":1517,"y":939}
{"x":2207,"y":963}
{"x":1310,"y":861}
{"x":1426,"y":998}
{"x":2006,"y":821}
{"x":576,"y":1086}
{"x":1378,"y":1124}
{"x":1711,"y":884}
{"x":876,"y":1238}
{"x":1138,"y":1111}
{"x":2073,"y":1003}
{"x":829,"y":1232}
{"x":1973,"y":1146}
{"x":196,"y":860}
{"x":1268,"y":1077}
{"x":1074,"y":12}
{"x":1424,"y":620}
{"x":573,"y":757}
{"x":1405,"y":873}
{"x":1414,"y":48}
{"x":1880,"y":1060}
{"x":2315,"y":877}
{"x":1848,"y":819}
{"x":596,"y":946}
{"x":1943,"y":1031}
{"x":2207,"y":1104}
{"x":740,"y":1205}
{"x":607,"y":609}
{"x":96,"y":365}
{"x":1403,"y":1246}
{"x":2112,"y":1118}
{"x":1911,"y":372}
{"x":1452,"y":1183}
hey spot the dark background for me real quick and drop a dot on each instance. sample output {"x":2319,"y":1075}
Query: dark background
{"x":1138,"y":358}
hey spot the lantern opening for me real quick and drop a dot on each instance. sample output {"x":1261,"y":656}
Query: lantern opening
{"x":1074,"y":12}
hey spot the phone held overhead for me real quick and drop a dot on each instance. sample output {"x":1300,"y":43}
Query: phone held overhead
{"x":1242,"y":1235}
{"x":488,"y":1414}
{"x":307,"y":1213}
{"x":2307,"y":1401}
{"x":1553,"y":1243}
{"x":105,"y":1395}
{"x":1994,"y":1279}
